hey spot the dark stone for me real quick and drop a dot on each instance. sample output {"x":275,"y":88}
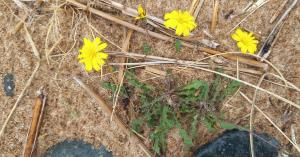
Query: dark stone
{"x":76,"y":148}
{"x":235,"y":143}
{"x":9,"y":84}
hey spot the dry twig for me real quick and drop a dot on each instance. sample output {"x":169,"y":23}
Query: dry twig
{"x":265,"y":51}
{"x":108,"y":110}
{"x":35,"y":125}
{"x":214,"y":17}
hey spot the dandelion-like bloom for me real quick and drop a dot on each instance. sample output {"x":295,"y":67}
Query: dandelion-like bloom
{"x":141,"y":12}
{"x":91,"y":54}
{"x":245,"y":41}
{"x":182,"y":21}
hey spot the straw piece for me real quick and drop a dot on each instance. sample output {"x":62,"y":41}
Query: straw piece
{"x":155,"y":71}
{"x":276,"y":14}
{"x":30,"y":41}
{"x":193,"y":6}
{"x":196,"y":12}
{"x":125,"y":48}
{"x":35,"y":125}
{"x":214,"y":17}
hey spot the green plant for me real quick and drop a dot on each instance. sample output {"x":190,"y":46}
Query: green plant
{"x":146,"y":49}
{"x":212,"y":122}
{"x":136,"y":125}
{"x":178,"y":45}
{"x":166,"y":123}
{"x":113,"y":88}
{"x":160,"y":117}
{"x":194,"y":92}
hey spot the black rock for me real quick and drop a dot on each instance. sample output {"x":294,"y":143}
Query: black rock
{"x":76,"y":148}
{"x":235,"y":143}
{"x":9,"y":84}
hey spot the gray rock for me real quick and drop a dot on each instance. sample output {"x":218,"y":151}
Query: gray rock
{"x":235,"y":143}
{"x":76,"y":149}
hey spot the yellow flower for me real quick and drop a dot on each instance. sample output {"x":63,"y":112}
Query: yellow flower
{"x":183,"y":22}
{"x":91,"y":54}
{"x":245,"y":41}
{"x":141,"y":12}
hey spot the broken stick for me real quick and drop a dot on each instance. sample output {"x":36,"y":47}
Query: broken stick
{"x":35,"y":125}
{"x":214,"y":17}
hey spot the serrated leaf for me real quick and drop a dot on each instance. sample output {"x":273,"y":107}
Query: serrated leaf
{"x":186,"y":139}
{"x":189,"y":92}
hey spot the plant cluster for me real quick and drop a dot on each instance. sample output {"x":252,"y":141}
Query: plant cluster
{"x":156,"y":112}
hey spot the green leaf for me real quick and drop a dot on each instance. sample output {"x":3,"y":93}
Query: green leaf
{"x":186,"y":139}
{"x":229,"y":126}
{"x":195,"y":92}
{"x":113,"y":88}
{"x":194,"y":125}
{"x":146,"y":49}
{"x":136,"y":125}
{"x":230,"y":89}
{"x":164,"y":120}
{"x":133,"y":81}
{"x":178,"y":45}
{"x":210,"y":123}
{"x":156,"y":146}
{"x":214,"y":91}
{"x":109,"y":86}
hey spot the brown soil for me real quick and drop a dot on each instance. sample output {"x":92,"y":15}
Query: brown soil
{"x":71,"y":114}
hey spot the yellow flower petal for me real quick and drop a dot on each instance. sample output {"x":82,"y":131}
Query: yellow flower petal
{"x":235,"y":37}
{"x":96,"y":65}
{"x":103,"y":55}
{"x":181,"y":21}
{"x":91,"y":54}
{"x":245,"y":41}
{"x":170,"y":23}
{"x":101,"y":47}
{"x":179,"y":30}
{"x":141,"y":12}
{"x":97,"y":41}
{"x":88,"y":66}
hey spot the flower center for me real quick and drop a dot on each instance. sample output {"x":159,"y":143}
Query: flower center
{"x":180,"y":19}
{"x":92,"y":53}
{"x":245,"y":41}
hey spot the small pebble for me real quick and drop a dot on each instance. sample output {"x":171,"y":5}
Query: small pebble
{"x":9,"y":84}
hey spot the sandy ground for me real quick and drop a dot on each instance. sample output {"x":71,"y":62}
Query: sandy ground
{"x":71,"y":114}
